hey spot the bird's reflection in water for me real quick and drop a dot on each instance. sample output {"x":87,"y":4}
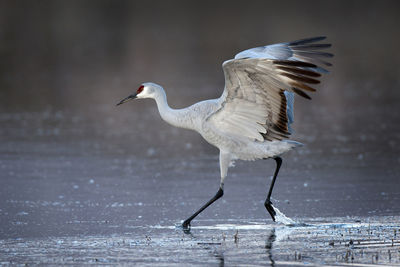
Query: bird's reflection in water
{"x":211,"y":247}
{"x":215,"y":250}
{"x":221,"y":259}
{"x":268,"y":246}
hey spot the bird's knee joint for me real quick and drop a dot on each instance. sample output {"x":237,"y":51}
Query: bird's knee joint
{"x":267,"y":202}
{"x":221,"y":185}
{"x":278,"y":160}
{"x":220,"y":192}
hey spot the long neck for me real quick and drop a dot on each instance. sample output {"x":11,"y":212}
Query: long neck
{"x":176,"y":117}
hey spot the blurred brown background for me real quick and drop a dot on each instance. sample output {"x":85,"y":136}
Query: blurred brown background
{"x":82,"y":57}
{"x":80,"y":54}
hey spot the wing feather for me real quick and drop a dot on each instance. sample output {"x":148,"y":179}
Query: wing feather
{"x":260,"y":84}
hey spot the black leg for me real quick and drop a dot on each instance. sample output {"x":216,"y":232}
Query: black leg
{"x":219,"y":194}
{"x":268,"y":203}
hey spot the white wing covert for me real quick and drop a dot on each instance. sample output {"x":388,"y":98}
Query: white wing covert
{"x":257,"y":101}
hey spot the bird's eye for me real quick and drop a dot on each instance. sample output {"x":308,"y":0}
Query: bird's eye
{"x":140,"y":89}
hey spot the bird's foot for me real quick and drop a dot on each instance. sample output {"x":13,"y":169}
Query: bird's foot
{"x":270,"y":209}
{"x":186,"y":225}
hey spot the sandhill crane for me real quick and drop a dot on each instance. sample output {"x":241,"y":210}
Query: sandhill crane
{"x":252,"y":118}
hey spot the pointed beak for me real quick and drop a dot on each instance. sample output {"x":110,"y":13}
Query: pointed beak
{"x":127,"y":99}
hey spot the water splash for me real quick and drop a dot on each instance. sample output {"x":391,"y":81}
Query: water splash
{"x":282,"y":218}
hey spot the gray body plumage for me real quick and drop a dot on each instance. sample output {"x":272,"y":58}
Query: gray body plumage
{"x":252,"y":118}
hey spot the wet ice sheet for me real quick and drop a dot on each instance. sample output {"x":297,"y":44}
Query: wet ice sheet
{"x":336,"y":241}
{"x":85,"y":195}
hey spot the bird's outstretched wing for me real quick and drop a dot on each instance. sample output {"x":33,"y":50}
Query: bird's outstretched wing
{"x":305,"y":50}
{"x":257,"y":102}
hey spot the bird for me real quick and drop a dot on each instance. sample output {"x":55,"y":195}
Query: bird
{"x":252,"y":118}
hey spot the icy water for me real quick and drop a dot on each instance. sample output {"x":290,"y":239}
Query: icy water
{"x":95,"y":190}
{"x":232,"y":243}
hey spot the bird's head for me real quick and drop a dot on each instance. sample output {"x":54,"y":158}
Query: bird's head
{"x":145,"y":90}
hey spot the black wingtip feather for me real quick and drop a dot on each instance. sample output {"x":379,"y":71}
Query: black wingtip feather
{"x":295,"y":63}
{"x":300,"y":78}
{"x":311,"y":46}
{"x":301,"y":93}
{"x":308,"y":40}
{"x":313,"y":53}
{"x":299,"y":71}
